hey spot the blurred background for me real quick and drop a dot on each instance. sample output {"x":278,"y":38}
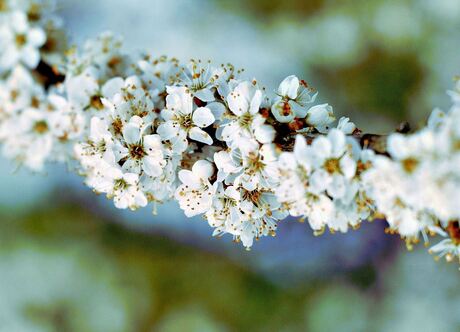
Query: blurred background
{"x":70,"y":262}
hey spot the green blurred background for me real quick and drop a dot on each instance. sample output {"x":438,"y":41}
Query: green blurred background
{"x":70,"y":262}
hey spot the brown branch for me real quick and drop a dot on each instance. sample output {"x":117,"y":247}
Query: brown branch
{"x":48,"y":74}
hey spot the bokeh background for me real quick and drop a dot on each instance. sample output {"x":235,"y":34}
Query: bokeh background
{"x":70,"y":262}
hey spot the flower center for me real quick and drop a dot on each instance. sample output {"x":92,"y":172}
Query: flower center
{"x":255,"y":162}
{"x":136,"y":151}
{"x":21,"y":40}
{"x":41,"y":127}
{"x":120,"y":184}
{"x":253,"y":196}
{"x":35,"y":102}
{"x":186,"y":121}
{"x":286,"y":110}
{"x":117,"y":126}
{"x":96,"y":102}
{"x":14,"y":95}
{"x":332,"y":165}
{"x":410,"y":164}
{"x":101,"y":146}
{"x":245,"y":120}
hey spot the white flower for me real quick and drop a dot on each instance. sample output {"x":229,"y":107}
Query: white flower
{"x":19,"y":43}
{"x":320,"y":117}
{"x":227,"y":162}
{"x":66,"y":125}
{"x":346,"y":125}
{"x":157,"y":73}
{"x":224,"y":214}
{"x":333,"y":162}
{"x":182,"y":119}
{"x":125,"y":99}
{"x":19,"y":91}
{"x":122,"y":187}
{"x":260,"y":214}
{"x":163,"y":187}
{"x":293,"y":98}
{"x":195,"y":195}
{"x":138,"y":151}
{"x":103,"y":53}
{"x":98,"y":146}
{"x":30,"y":140}
{"x":248,"y":127}
{"x":83,"y":91}
{"x":258,"y":169}
{"x":200,"y":80}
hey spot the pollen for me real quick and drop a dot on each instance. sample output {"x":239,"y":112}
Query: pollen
{"x":21,"y":40}
{"x":136,"y":151}
{"x":332,"y":166}
{"x":117,"y":126}
{"x":41,"y":127}
{"x":410,"y":164}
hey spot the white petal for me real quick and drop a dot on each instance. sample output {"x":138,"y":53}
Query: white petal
{"x":397,"y":146}
{"x":140,"y":200}
{"x":289,"y":87}
{"x":217,"y":109}
{"x":168,"y":130}
{"x":232,"y":193}
{"x":237,"y":103}
{"x":203,"y":117}
{"x":131,"y":166}
{"x":121,"y":202}
{"x":19,"y":22}
{"x":132,"y":133}
{"x":152,"y":142}
{"x":30,"y":56}
{"x":337,"y":187}
{"x":264,"y":134}
{"x":320,"y":116}
{"x":199,"y":135}
{"x":131,"y":178}
{"x":338,"y":140}
{"x":348,"y":166}
{"x":322,"y":148}
{"x":203,"y":169}
{"x":152,"y":166}
{"x":255,"y":102}
{"x":36,"y":37}
{"x":205,"y":95}
{"x":189,"y":178}
{"x":319,"y":181}
{"x":112,"y":86}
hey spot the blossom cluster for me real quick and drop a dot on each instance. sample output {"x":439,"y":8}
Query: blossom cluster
{"x":146,"y":130}
{"x":417,"y":189}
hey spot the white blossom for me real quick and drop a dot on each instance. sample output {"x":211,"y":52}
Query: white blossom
{"x":183,"y":119}
{"x":19,"y":42}
{"x":320,"y":117}
{"x":293,"y":99}
{"x":147,"y":130}
{"x":195,"y":195}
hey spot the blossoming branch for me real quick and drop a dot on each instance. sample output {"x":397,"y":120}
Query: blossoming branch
{"x":146,"y":130}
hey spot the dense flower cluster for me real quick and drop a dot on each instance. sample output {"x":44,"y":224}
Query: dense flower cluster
{"x":418,"y":189}
{"x":145,"y":129}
